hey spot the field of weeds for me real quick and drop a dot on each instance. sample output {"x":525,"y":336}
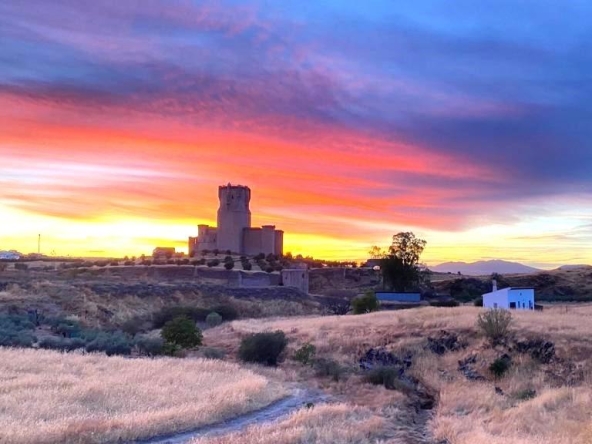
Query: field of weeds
{"x":536,"y":401}
{"x":50,"y":397}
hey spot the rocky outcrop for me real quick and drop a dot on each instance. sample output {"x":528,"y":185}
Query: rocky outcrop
{"x":538,"y":349}
{"x":444,"y":342}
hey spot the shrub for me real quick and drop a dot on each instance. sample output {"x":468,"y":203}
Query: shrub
{"x":478,"y":302}
{"x":365,"y":304}
{"x":149,"y":346}
{"x":182,"y":332}
{"x":213,"y":319}
{"x":213,"y":353}
{"x":269,"y":269}
{"x":387,"y":376}
{"x":229,"y":265}
{"x":213,"y":263}
{"x":228,"y":259}
{"x":247,"y":266}
{"x":228,"y":312}
{"x":305,"y":354}
{"x":166,"y":314}
{"x":263,"y":348}
{"x":328,"y":367}
{"x":112,"y":343}
{"x":499,"y":367}
{"x":525,"y":394}
{"x":495,"y":324}
{"x":445,"y":303}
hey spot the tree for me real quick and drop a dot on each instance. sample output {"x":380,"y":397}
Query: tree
{"x":400,"y":266}
{"x":376,"y":252}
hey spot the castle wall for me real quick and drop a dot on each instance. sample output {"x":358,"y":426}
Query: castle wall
{"x":234,"y":216}
{"x":279,"y":243}
{"x":252,"y":241}
{"x":296,"y":277}
{"x":206,"y":238}
{"x":268,"y":239}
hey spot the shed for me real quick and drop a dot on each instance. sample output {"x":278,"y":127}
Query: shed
{"x":391,"y":296}
{"x":518,"y":298}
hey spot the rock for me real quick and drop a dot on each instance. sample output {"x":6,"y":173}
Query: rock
{"x":538,"y":349}
{"x":380,"y":357}
{"x":499,"y":391}
{"x":465,"y":366}
{"x":444,"y":342}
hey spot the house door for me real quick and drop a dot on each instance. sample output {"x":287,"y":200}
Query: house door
{"x":512,"y":304}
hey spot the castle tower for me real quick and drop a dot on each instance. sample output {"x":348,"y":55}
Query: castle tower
{"x":234,"y":216}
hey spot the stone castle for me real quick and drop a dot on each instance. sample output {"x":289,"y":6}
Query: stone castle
{"x":234,"y":231}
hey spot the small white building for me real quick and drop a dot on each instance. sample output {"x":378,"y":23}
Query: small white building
{"x":514,"y":298}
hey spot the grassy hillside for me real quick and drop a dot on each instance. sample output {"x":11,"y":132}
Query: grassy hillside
{"x":541,"y":398}
{"x":563,"y":285}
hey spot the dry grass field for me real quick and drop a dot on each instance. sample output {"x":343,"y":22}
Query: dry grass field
{"x":535,"y":403}
{"x":48,"y":397}
{"x":325,"y":424}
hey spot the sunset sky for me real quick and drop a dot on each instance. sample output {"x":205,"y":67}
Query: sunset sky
{"x":468,"y":123}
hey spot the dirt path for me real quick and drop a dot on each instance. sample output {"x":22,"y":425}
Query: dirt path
{"x":298,"y":399}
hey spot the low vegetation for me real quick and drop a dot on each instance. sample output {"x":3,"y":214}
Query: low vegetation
{"x":263,"y":348}
{"x":181,"y":332}
{"x":50,"y":397}
{"x":494,"y":324}
{"x":366,"y":303}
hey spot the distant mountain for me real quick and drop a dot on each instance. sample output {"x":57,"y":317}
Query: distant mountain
{"x":482,"y":268}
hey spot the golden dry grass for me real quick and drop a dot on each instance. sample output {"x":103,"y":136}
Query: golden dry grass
{"x":323,"y":424}
{"x":48,"y":397}
{"x":468,"y":411}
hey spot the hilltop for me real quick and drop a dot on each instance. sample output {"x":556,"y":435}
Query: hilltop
{"x":483,"y":268}
{"x":562,"y":284}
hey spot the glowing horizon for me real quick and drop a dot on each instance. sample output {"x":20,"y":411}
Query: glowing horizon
{"x":118,"y":122}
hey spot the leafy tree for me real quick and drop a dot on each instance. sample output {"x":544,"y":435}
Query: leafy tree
{"x":400,"y":267}
{"x":263,"y":348}
{"x":182,"y":332}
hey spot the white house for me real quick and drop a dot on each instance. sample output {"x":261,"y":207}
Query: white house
{"x":518,"y":298}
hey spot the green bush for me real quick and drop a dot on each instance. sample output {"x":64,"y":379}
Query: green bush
{"x":166,"y":314}
{"x":263,"y":348}
{"x":305,"y":354}
{"x":525,"y":394}
{"x":228,"y":312}
{"x":112,"y":343}
{"x":213,"y":319}
{"x":229,"y":265}
{"x":365,"y":304}
{"x":228,"y":259}
{"x":213,"y":263}
{"x":478,"y":302}
{"x":495,"y":324}
{"x":16,"y":331}
{"x":247,"y":266}
{"x":182,"y":332}
{"x":149,"y":346}
{"x":328,"y":367}
{"x":499,"y":367}
{"x":213,"y":353}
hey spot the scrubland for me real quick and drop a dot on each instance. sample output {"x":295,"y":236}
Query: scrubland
{"x":50,"y":397}
{"x":533,"y":403}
